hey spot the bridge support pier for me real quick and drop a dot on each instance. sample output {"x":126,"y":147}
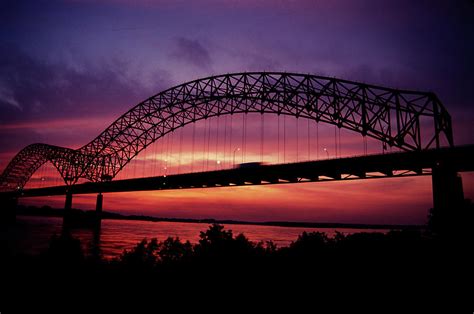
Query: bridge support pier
{"x":98,"y":210}
{"x":447,"y":188}
{"x":8,"y":205}
{"x":67,"y":217}
{"x":96,"y":228}
{"x":448,"y":200}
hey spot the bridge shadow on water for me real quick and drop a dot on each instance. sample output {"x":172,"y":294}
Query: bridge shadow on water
{"x":430,"y":261}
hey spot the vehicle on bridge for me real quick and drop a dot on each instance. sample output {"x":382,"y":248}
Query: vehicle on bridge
{"x":250,"y":165}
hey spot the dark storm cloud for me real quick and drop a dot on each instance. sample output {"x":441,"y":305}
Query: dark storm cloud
{"x":34,"y":89}
{"x":421,"y":45}
{"x":64,"y":105}
{"x":192,"y":52}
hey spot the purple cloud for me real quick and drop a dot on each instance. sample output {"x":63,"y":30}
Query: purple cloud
{"x":192,"y":52}
{"x":32,"y":89}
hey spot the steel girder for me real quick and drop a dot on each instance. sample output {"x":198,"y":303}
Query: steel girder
{"x":409,"y":120}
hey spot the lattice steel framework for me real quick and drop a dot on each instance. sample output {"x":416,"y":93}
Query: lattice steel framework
{"x":408,"y":120}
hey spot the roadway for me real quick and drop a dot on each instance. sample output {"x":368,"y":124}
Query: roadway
{"x":387,"y":165}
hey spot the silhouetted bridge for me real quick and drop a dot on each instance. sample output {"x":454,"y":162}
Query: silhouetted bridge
{"x":391,"y":116}
{"x":441,"y":164}
{"x":401,"y":164}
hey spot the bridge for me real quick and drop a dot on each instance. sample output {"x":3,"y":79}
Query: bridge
{"x":415,"y":123}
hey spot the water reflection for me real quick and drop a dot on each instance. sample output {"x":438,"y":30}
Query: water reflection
{"x":32,"y":234}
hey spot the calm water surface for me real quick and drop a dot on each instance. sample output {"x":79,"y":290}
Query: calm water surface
{"x":31,"y":235}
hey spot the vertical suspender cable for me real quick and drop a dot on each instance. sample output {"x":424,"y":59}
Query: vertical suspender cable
{"x":317,"y":140}
{"x":162,"y":145}
{"x":204,"y":146}
{"x":297,"y":138}
{"x":230,"y":138}
{"x":51,"y":174}
{"x":217,"y":142}
{"x":262,"y":128}
{"x":278,"y":139}
{"x":340,"y":146}
{"x":43,"y":177}
{"x":225,"y":138}
{"x":245,"y":137}
{"x":134,"y":168}
{"x":180,"y":148}
{"x":37,"y":174}
{"x":243,"y":134}
{"x":54,"y":173}
{"x":156,"y":156}
{"x":284,"y":139}
{"x":192,"y":148}
{"x":208,"y":143}
{"x":153,"y":166}
{"x":144,"y":163}
{"x":167,"y":152}
{"x":308,"y":140}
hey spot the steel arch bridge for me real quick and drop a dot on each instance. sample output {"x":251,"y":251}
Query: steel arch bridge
{"x":392,"y":116}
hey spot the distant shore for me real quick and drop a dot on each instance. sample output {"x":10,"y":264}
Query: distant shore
{"x":47,"y":211}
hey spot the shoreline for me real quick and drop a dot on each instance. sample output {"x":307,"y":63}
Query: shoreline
{"x":289,"y":224}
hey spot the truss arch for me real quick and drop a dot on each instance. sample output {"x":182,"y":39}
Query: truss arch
{"x":389,"y":115}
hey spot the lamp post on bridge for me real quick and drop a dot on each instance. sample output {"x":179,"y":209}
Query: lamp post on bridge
{"x":171,"y":163}
{"x":235,"y":150}
{"x":167,"y":165}
{"x":326,"y":150}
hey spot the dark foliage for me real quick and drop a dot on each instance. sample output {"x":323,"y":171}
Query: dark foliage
{"x":410,"y":259}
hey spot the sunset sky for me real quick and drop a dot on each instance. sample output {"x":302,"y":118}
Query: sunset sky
{"x":69,"y":68}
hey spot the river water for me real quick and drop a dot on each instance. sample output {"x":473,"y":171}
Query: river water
{"x":31,"y":235}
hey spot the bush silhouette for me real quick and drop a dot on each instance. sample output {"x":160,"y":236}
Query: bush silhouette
{"x":144,"y":255}
{"x":219,"y":254}
{"x":64,"y":249}
{"x":173,"y":250}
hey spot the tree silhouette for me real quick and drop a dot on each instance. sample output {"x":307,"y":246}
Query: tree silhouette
{"x":173,"y":250}
{"x":144,"y":255}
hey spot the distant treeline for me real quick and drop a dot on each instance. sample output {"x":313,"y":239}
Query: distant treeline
{"x":53,"y":212}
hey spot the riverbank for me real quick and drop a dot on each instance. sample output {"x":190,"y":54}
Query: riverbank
{"x":47,"y":211}
{"x":226,"y":262}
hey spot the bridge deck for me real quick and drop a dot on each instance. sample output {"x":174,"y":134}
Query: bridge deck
{"x":360,"y":167}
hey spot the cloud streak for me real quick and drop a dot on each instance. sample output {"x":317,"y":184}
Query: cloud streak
{"x":55,"y":90}
{"x":192,"y":52}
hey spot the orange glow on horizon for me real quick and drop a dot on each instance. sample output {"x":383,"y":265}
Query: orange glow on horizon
{"x":405,"y":200}
{"x":391,"y":201}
